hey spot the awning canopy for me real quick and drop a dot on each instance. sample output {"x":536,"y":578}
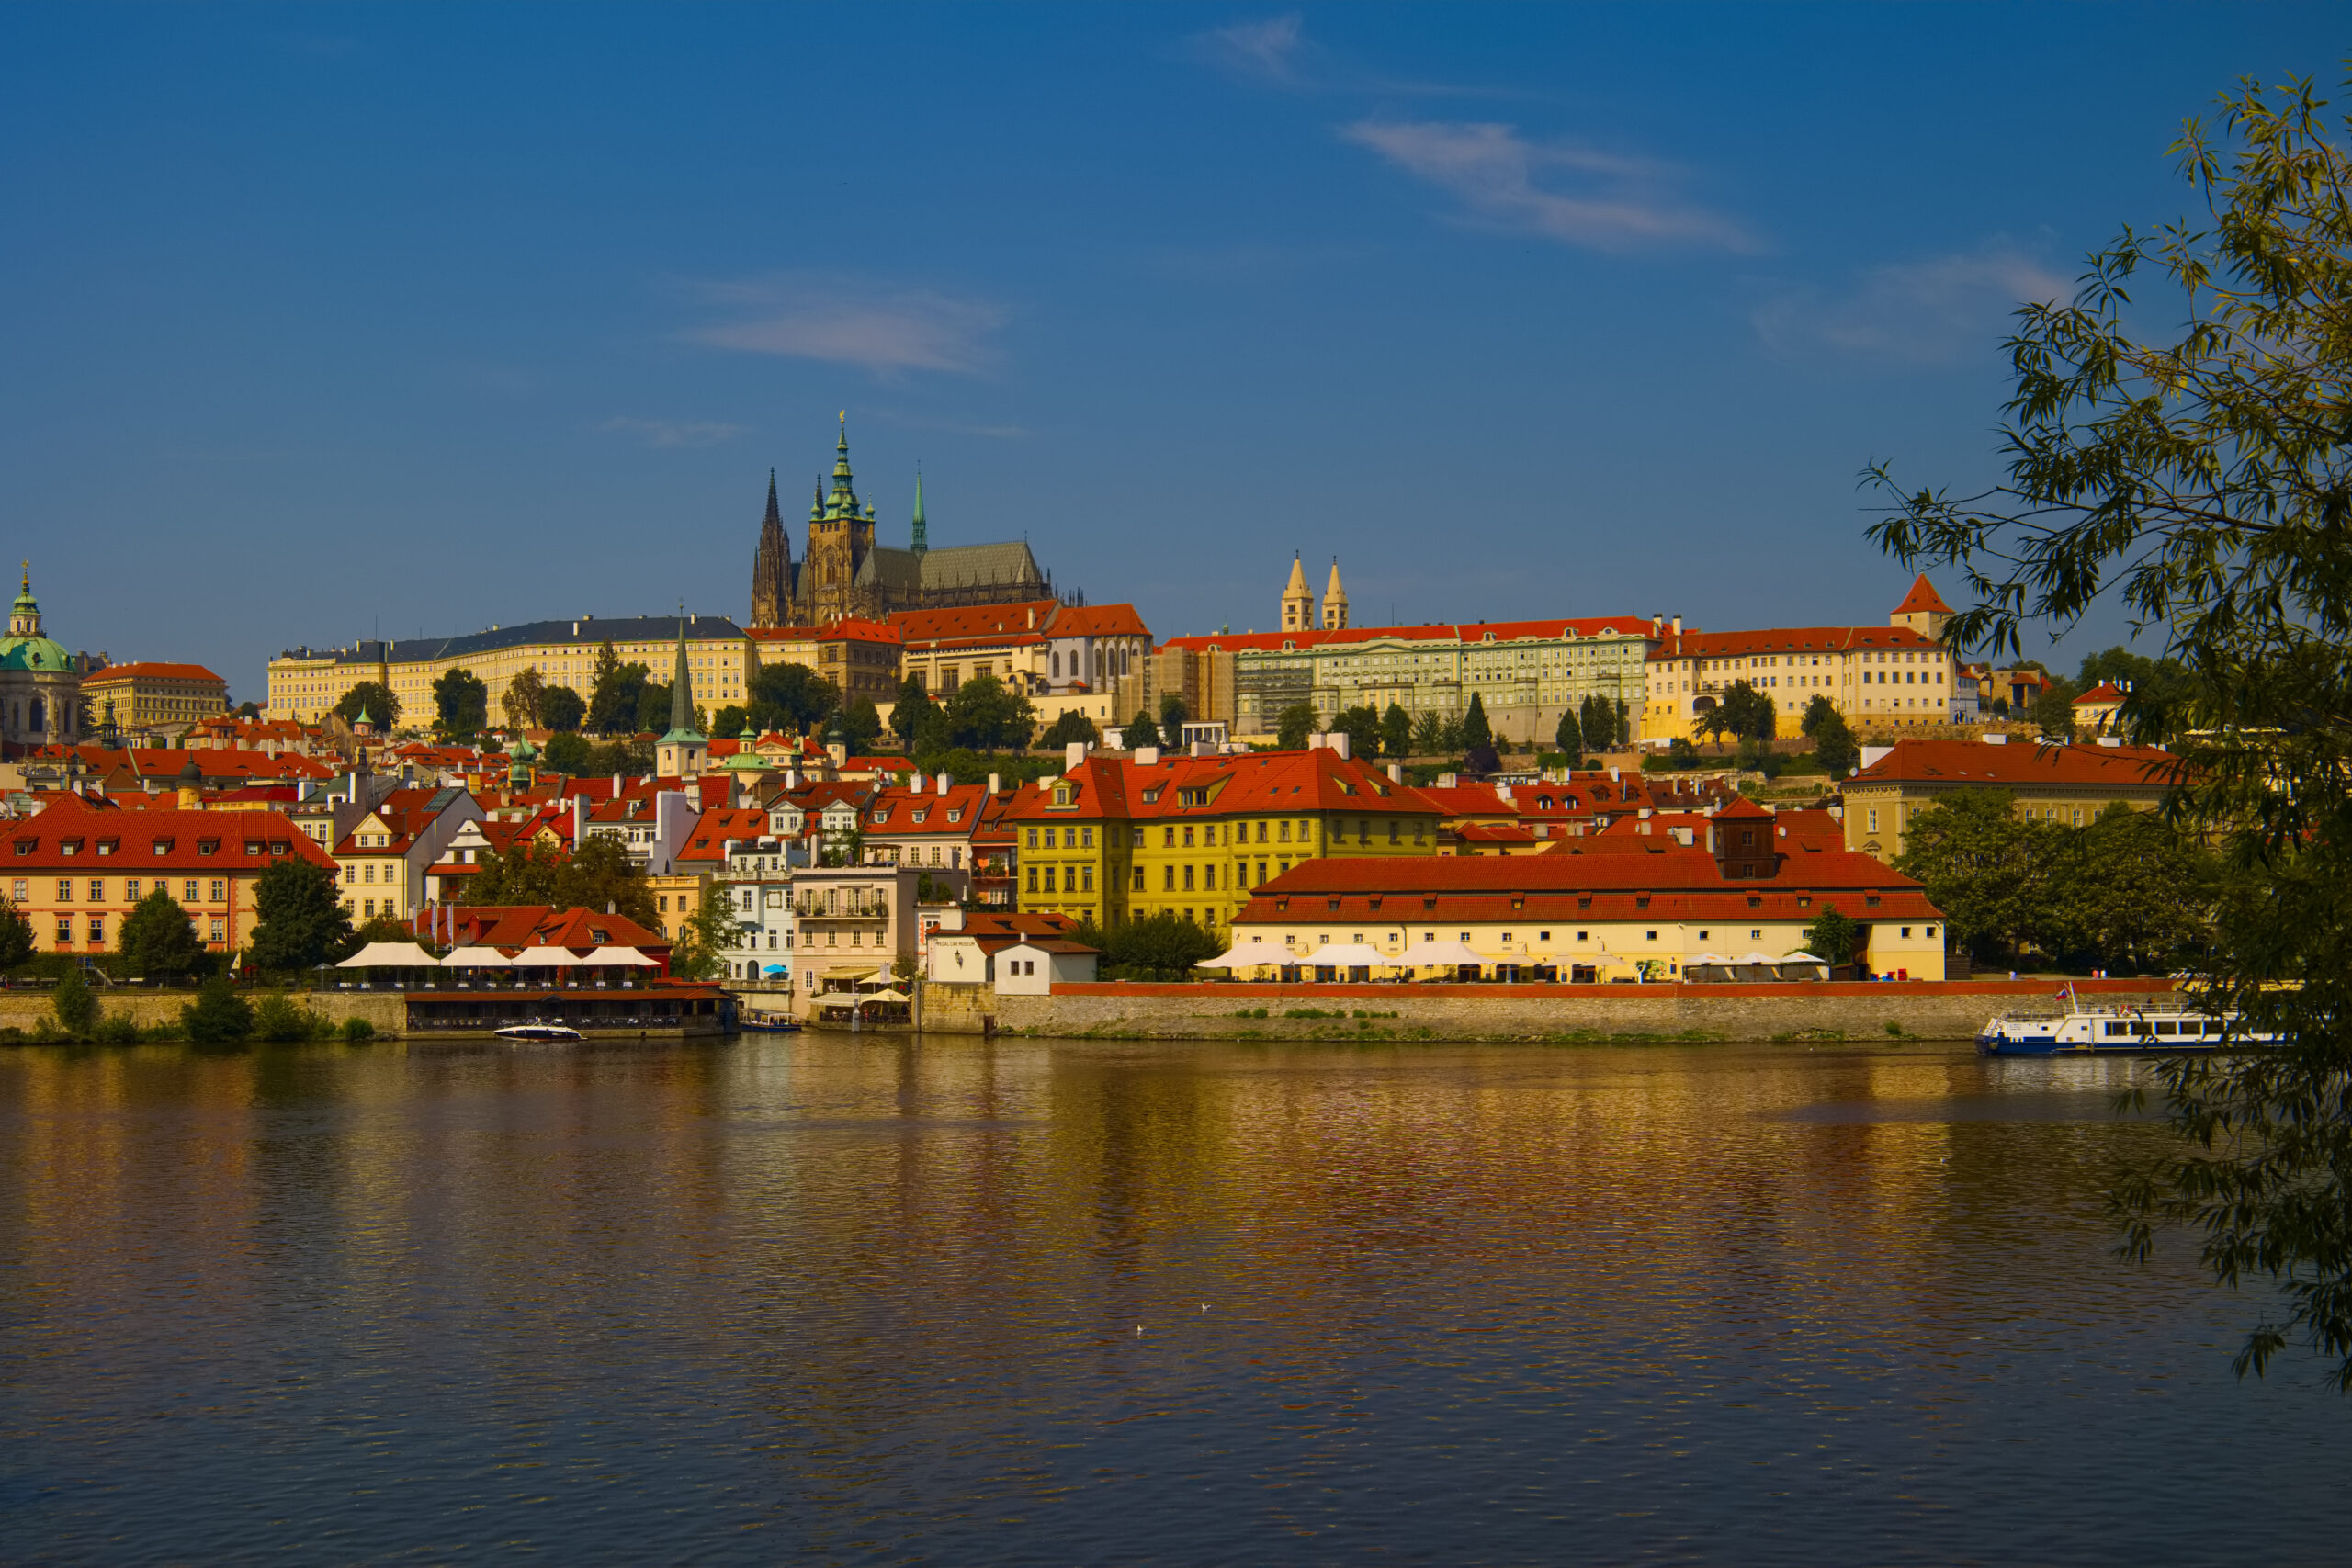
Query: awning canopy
{"x":389,"y":955}
{"x":546,"y":958}
{"x":1430,"y":955}
{"x":1762,"y":958}
{"x":1347,"y":955}
{"x":477,"y":958}
{"x":1251,"y":954}
{"x":881,"y":996}
{"x":1697,"y":959}
{"x":1803,"y":958}
{"x":623,"y":957}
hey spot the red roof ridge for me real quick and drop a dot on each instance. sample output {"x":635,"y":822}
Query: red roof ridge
{"x":1922,"y":597}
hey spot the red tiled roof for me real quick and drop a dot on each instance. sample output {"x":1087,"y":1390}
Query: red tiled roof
{"x":1442,"y":631}
{"x":1265,"y":782}
{"x":851,"y":629}
{"x":715,"y":827}
{"x":1923,"y":596}
{"x":1096,"y":620}
{"x":541,"y":925}
{"x":973,"y":622}
{"x":1785,"y":640}
{"x":2022,"y":762}
{"x":2105,"y":692}
{"x":895,"y":812}
{"x":144,"y":672}
{"x":241,"y":842}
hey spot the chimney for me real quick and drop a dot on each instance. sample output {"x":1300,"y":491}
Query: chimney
{"x":914,"y":783}
{"x":1146,"y":756}
{"x":943,"y":781}
{"x":1657,"y":626}
{"x":616,"y":787}
{"x":1395,"y":773}
{"x":1074,"y":752}
{"x":1677,"y":626}
{"x":1502,"y":791}
{"x":996,"y":782}
{"x":1032,"y":617}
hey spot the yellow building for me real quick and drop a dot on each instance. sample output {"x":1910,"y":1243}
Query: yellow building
{"x":148,"y":694}
{"x":1899,"y":676}
{"x":2060,"y":783}
{"x":1117,"y":839}
{"x":304,"y":683}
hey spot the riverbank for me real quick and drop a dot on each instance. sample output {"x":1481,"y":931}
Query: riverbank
{"x":1953,"y":1010}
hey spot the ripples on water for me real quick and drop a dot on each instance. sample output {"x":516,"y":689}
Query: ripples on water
{"x":876,"y":1300}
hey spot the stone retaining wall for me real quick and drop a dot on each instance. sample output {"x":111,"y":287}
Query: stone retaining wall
{"x":387,"y":1010}
{"x":1949,"y":1010}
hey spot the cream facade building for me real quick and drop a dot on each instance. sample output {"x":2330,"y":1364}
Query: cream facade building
{"x":305,"y":683}
{"x":1899,"y":676}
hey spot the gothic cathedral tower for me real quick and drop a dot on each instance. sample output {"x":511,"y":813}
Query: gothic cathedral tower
{"x":1298,"y":600}
{"x":772,"y":567}
{"x":840,"y":536}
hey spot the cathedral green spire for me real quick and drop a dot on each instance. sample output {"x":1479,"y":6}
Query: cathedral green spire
{"x":922,"y":532}
{"x":681,"y":696}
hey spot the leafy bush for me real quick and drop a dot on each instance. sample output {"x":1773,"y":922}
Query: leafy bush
{"x":358,"y":1031}
{"x":116,"y":1030}
{"x":218,"y":1015}
{"x":74,"y":1007}
{"x":279,"y":1019}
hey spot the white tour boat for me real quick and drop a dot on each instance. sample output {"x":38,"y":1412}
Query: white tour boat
{"x":2072,"y":1026}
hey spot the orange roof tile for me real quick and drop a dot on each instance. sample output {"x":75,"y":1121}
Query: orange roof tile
{"x":1923,"y":596}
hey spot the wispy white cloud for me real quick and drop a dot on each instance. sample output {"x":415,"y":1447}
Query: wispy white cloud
{"x":1265,"y":52}
{"x":1576,"y":195}
{"x":1920,"y":311}
{"x":949,"y":424}
{"x":673,"y":433}
{"x":843,"y":323}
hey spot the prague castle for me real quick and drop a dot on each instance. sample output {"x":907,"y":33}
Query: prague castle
{"x":846,"y":573}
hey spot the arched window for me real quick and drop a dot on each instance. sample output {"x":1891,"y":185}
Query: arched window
{"x":35,"y":710}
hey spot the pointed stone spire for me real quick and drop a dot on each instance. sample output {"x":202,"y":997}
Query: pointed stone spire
{"x":844,"y":496}
{"x":1335,"y":602}
{"x":772,"y":567}
{"x":923,"y":529}
{"x":1298,"y":600}
{"x":774,"y":515}
{"x":682,"y":691}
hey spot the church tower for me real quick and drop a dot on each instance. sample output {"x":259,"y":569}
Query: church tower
{"x":840,"y":536}
{"x":680,"y":752}
{"x":772,"y":567}
{"x":1335,"y":602}
{"x":1298,"y":600}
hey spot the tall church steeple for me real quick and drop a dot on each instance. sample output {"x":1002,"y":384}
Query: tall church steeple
{"x":772,"y":567}
{"x":1335,"y":602}
{"x":921,"y":529}
{"x":681,"y":752}
{"x":1298,"y":600}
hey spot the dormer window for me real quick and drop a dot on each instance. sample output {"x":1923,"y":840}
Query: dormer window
{"x":108,"y":846}
{"x":69,"y":846}
{"x":163,"y":846}
{"x":27,"y":846}
{"x":208,"y":846}
{"x":253,"y":846}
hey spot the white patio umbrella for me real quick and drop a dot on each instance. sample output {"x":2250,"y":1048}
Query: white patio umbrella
{"x":621,"y":957}
{"x":1429,"y":954}
{"x":1252,"y":955}
{"x":1760,"y":958}
{"x":477,"y":958}
{"x":546,"y":958}
{"x":881,"y":996}
{"x":390,"y":955}
{"x":1801,"y":958}
{"x":1693,"y":962}
{"x":1349,"y":955}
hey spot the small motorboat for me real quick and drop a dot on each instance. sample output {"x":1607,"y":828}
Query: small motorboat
{"x":541,"y":1033}
{"x":767,"y":1023}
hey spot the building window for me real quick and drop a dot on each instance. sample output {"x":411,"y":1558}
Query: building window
{"x":219,"y":931}
{"x":189,"y":891}
{"x":98,"y":933}
{"x":65,"y":933}
{"x":219,"y":890}
{"x":65,"y":890}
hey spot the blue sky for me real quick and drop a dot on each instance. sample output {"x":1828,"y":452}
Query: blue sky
{"x":327,"y":321}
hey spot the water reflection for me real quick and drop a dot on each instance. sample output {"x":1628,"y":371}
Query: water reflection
{"x":881,"y":1298}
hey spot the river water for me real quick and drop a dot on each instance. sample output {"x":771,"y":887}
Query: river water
{"x":889,"y":1301}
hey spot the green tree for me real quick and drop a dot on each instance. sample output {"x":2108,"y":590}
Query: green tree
{"x":861,"y":725}
{"x":988,"y":716}
{"x":1747,"y":713}
{"x":460,"y":703}
{"x":2154,"y":687}
{"x":596,"y":874}
{"x":2137,"y":895}
{"x":1430,"y":737}
{"x":791,"y":699}
{"x":1833,"y":746}
{"x":913,"y":709}
{"x":522,"y":700}
{"x":16,"y":935}
{"x":299,"y":918}
{"x":1072,"y":726}
{"x":279,"y":1019}
{"x":1990,"y":871}
{"x":1396,"y":733}
{"x":375,"y":699}
{"x":1831,"y":937}
{"x":2053,"y":710}
{"x":566,"y":753}
{"x":1569,"y":736}
{"x":615,"y":690}
{"x":1172,"y":715}
{"x":654,"y":708}
{"x":1361,"y":725}
{"x":219,"y":1016}
{"x":562,"y":709}
{"x":1141,"y":731}
{"x":74,"y":1006}
{"x":705,"y":937}
{"x":1296,"y":723}
{"x":1162,"y":946}
{"x":1475,"y":731}
{"x":158,"y":939}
